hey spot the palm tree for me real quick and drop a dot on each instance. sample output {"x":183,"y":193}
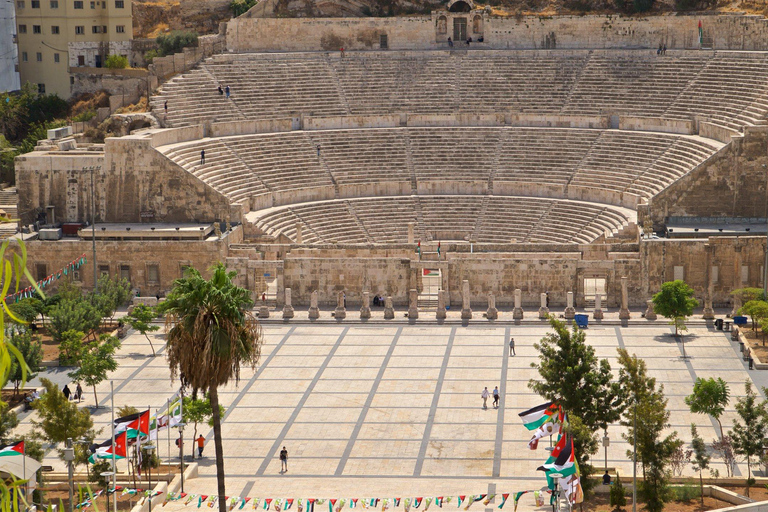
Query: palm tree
{"x":211,"y":332}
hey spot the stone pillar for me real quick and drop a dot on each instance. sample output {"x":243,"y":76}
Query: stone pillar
{"x":709,"y":311}
{"x":314,"y":312}
{"x":598,"y":313}
{"x":570,"y":311}
{"x":287,"y":309}
{"x":341,"y":312}
{"x":624,"y":311}
{"x":264,"y":311}
{"x":299,"y":238}
{"x":543,"y":310}
{"x":492,"y":313}
{"x":440,"y":315}
{"x":737,"y":284}
{"x":389,"y":311}
{"x":466,"y":310}
{"x":517,"y":313}
{"x":411,"y":236}
{"x":650,"y":313}
{"x":365,"y":310}
{"x":413,"y":304}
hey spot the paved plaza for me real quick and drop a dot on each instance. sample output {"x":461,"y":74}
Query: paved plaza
{"x":385,"y":410}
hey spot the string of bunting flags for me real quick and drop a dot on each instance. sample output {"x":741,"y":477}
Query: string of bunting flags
{"x":30,"y":291}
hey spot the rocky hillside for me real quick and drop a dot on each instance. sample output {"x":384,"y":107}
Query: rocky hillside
{"x":154,"y":17}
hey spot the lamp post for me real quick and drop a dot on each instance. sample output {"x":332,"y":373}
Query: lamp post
{"x":180,"y":426}
{"x":107,"y":474}
{"x":69,"y":456}
{"x":634,"y":459}
{"x":606,"y":444}
{"x":149,"y":448}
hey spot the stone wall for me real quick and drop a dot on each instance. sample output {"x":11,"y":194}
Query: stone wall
{"x":735,"y":32}
{"x":166,"y":67}
{"x":130,"y":84}
{"x":733,"y":183}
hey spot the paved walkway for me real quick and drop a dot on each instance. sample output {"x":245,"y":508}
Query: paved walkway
{"x":385,"y":410}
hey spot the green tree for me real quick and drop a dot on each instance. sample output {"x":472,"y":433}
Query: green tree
{"x":96,"y":362}
{"x":701,"y":457}
{"x":646,"y":419}
{"x":115,"y":61}
{"x":239,"y":7}
{"x":750,"y":428}
{"x":31,"y":351}
{"x":82,"y":449}
{"x":747,"y":294}
{"x":710,"y":396}
{"x":211,"y":333}
{"x":675,"y":301}
{"x":72,"y":314}
{"x":757,"y":311}
{"x":176,"y":41}
{"x":60,"y":419}
{"x":112,"y":294}
{"x":573,"y":376}
{"x":198,"y":411}
{"x":71,"y":348}
{"x":8,"y":421}
{"x":25,"y":311}
{"x":140,"y":319}
{"x":618,"y":495}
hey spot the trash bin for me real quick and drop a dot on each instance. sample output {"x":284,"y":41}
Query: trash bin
{"x":581,"y":320}
{"x":719,"y":324}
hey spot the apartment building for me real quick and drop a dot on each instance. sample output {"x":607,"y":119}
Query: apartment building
{"x":54,"y":35}
{"x":9,"y":73}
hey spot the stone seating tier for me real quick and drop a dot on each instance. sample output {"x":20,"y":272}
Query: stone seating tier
{"x":482,"y":219}
{"x":284,"y":168}
{"x":728,"y":88}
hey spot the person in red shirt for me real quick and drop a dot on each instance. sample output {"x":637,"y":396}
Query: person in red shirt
{"x":200,"y":445}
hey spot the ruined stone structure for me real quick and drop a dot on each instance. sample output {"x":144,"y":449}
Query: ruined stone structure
{"x":501,"y":174}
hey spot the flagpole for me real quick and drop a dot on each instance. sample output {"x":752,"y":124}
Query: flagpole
{"x":24,"y":468}
{"x":168,"y":427}
{"x":114,"y":469}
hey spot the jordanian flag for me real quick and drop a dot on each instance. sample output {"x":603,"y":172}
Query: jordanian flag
{"x":536,"y":417}
{"x":564,"y":461}
{"x":134,"y":424}
{"x":104,"y":450}
{"x":431,"y":273}
{"x":12,"y":449}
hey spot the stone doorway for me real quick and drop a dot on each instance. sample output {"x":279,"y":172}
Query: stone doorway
{"x":460,"y":29}
{"x":431,"y":281}
{"x":266,"y":287}
{"x":592,"y":286}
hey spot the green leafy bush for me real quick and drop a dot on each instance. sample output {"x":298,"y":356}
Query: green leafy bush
{"x":116,"y":62}
{"x":686,"y":492}
{"x":176,"y":41}
{"x":150,"y":56}
{"x":241,"y":6}
{"x":84,"y":116}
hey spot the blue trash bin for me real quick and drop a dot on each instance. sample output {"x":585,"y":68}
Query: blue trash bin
{"x":739,"y":320}
{"x":581,"y":320}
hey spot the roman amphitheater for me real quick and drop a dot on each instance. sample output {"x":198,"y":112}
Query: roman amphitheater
{"x":548,"y":155}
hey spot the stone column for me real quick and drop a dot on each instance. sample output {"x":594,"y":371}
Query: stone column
{"x":389,"y":311}
{"x":314,"y":312}
{"x":263,"y":310}
{"x":299,"y":238}
{"x":624,"y":311}
{"x":365,"y":310}
{"x":709,"y":311}
{"x":517,"y":313}
{"x":440,"y":315}
{"x":413,"y":304}
{"x":466,"y":310}
{"x":598,"y":313}
{"x":650,"y":313}
{"x":570,"y":311}
{"x":341,"y":312}
{"x":288,"y":308}
{"x":543,"y":309}
{"x":492,"y":313}
{"x":411,"y":236}
{"x":737,"y":284}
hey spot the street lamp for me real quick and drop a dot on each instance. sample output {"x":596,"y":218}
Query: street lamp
{"x":69,"y":456}
{"x":181,"y":426}
{"x":149,"y":448}
{"x":107,"y":474}
{"x":606,"y":444}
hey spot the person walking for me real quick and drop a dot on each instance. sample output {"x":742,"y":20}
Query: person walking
{"x":496,"y":397}
{"x":485,"y":394}
{"x":79,"y":392}
{"x":165,"y":106}
{"x":283,"y":460}
{"x":66,"y":391}
{"x":200,"y":445}
{"x":512,"y":346}
{"x":202,"y":157}
{"x":227,"y":91}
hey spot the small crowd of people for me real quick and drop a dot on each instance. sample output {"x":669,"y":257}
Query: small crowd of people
{"x":224,"y":91}
{"x":77,"y":395}
{"x":662,"y":49}
{"x":468,"y":41}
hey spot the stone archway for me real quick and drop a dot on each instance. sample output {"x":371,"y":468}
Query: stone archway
{"x":460,"y":6}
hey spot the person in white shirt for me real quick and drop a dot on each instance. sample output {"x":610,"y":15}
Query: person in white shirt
{"x":485,"y":394}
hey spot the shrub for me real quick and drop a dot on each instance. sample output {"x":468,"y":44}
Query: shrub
{"x":116,"y":62}
{"x":241,"y":6}
{"x":686,"y":492}
{"x":176,"y":41}
{"x":618,"y":495}
{"x":150,"y":56}
{"x":84,"y":116}
{"x":71,"y":348}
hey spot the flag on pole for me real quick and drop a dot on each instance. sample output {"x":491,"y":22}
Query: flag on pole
{"x":104,"y":450}
{"x":12,"y":449}
{"x":565,"y":462}
{"x":701,"y":34}
{"x":504,"y":497}
{"x":535,"y":417}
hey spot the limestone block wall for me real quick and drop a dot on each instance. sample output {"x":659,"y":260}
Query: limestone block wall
{"x":732,"y":183}
{"x":734,"y":32}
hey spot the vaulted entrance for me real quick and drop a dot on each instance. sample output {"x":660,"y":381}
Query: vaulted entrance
{"x":459,"y":29}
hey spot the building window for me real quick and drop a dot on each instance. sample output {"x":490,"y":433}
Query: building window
{"x":80,"y":30}
{"x":42,"y":271}
{"x":153,"y":274}
{"x":20,"y":4}
{"x":56,"y":58}
{"x":54,"y":29}
{"x":125,"y":272}
{"x":35,"y":4}
{"x":96,"y":29}
{"x":93,"y":5}
{"x":39,"y":57}
{"x":22,"y":29}
{"x":104,"y":270}
{"x":54,"y":4}
{"x":119,"y":4}
{"x":37,"y":29}
{"x":40,"y":88}
{"x":120,"y":29}
{"x":71,"y":80}
{"x":76,"y":276}
{"x":24,"y":57}
{"x":81,"y":60}
{"x":78,"y":4}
